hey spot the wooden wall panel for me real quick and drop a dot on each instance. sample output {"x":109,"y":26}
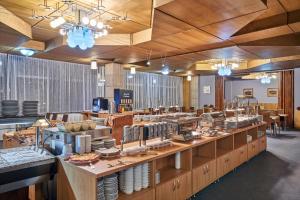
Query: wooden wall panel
{"x":286,"y":95}
{"x":219,"y":96}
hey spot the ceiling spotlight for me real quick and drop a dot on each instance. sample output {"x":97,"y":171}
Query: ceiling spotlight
{"x":94,"y":64}
{"x":132,"y":70}
{"x":62,"y":31}
{"x":189,"y":78}
{"x":93,"y":22}
{"x":57,"y":22}
{"x":27,"y":52}
{"x":148,"y":63}
{"x":85,"y":20}
{"x":100,"y":25}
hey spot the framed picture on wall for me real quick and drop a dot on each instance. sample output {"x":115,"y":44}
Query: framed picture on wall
{"x":206,"y":89}
{"x":272,"y":92}
{"x":248,"y":92}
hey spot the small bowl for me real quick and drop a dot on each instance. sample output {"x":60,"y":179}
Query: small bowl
{"x":76,"y":127}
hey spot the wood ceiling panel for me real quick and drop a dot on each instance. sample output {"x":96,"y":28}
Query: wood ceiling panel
{"x":274,"y":8}
{"x":228,"y":52}
{"x":189,"y":39}
{"x":52,"y":56}
{"x":158,"y":49}
{"x":125,"y":55}
{"x":262,"y":34}
{"x":227,"y":28}
{"x":273,"y":51}
{"x":43,"y":34}
{"x":95,"y":52}
{"x":164,"y":25}
{"x":295,"y":26}
{"x":10,"y":37}
{"x":205,"y":12}
{"x":290,"y":5}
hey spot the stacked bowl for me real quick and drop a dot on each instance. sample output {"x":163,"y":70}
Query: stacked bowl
{"x":30,"y":108}
{"x":10,"y":108}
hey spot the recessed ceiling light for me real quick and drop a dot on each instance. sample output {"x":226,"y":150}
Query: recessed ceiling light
{"x":27,"y":52}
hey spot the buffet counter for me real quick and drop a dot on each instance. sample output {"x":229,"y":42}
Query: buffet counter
{"x":22,"y":167}
{"x":201,"y":162}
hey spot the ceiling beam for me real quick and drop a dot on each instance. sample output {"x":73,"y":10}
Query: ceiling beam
{"x":14,"y":22}
{"x":33,"y":44}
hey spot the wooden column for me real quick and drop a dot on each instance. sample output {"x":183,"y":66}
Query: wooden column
{"x":219,"y":93}
{"x":186,"y":94}
{"x":286,"y":95}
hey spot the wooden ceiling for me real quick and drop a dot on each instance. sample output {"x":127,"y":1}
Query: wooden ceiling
{"x":178,"y":32}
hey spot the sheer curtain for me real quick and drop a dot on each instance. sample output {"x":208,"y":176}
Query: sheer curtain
{"x":153,"y":90}
{"x":58,"y":86}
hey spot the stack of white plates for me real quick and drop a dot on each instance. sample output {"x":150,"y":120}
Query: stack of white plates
{"x":111,"y":187}
{"x":10,"y":108}
{"x":109,"y":143}
{"x":100,"y":190}
{"x":97,"y":145}
{"x":145,"y":175}
{"x":30,"y":108}
{"x":126,"y":181}
{"x":137,"y":176}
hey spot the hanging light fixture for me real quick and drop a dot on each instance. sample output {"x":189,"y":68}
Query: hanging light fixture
{"x":165,"y":70}
{"x":85,"y":20}
{"x":148,"y":63}
{"x":132,"y":70}
{"x":94,"y":64}
{"x":225,"y":66}
{"x":189,"y":78}
{"x":265,"y":78}
{"x":82,"y":31}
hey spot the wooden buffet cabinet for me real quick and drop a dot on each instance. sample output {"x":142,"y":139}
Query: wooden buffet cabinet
{"x":203,"y":161}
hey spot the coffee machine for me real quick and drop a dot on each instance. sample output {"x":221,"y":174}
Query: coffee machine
{"x":99,"y":104}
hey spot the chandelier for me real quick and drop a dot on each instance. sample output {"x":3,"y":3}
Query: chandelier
{"x":224,"y":66}
{"x":84,"y":33}
{"x":266,"y":78}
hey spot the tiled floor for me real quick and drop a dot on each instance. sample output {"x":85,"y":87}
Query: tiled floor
{"x":273,"y":175}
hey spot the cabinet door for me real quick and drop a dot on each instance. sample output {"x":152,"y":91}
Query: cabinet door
{"x":262,"y":143}
{"x":183,"y":186}
{"x":199,"y":178}
{"x":243,"y":154}
{"x":240,"y":156}
{"x":212,"y":172}
{"x":228,"y":165}
{"x":166,"y":191}
{"x":220,"y":166}
{"x":252,"y":149}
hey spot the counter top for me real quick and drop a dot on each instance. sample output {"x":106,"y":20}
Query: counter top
{"x":101,"y":168}
{"x":22,"y":157}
